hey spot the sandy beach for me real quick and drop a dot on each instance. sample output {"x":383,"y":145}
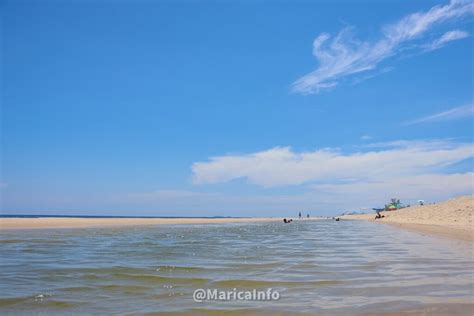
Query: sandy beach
{"x":79,"y":222}
{"x":452,"y":218}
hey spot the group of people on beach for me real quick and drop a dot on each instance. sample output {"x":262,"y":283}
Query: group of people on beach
{"x":300,"y":216}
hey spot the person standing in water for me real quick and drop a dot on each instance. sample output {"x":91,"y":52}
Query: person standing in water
{"x":307,"y":216}
{"x":299,"y":215}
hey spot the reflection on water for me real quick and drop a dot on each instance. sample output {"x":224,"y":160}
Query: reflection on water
{"x":324,"y":267}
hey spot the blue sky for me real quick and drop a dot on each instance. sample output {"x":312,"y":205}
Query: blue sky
{"x":244,"y":108}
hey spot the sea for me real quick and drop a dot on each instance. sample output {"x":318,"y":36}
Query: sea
{"x":316,"y":267}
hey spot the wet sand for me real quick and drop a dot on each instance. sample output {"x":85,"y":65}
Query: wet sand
{"x":452,"y":218}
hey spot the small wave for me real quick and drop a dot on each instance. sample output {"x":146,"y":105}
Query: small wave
{"x":12,"y":301}
{"x":233,"y":312}
{"x":46,"y":302}
{"x":127,"y":289}
{"x":78,"y":289}
{"x":264,"y":283}
{"x":57,"y":304}
{"x":249,"y":266}
{"x":13,"y":241}
{"x":152,"y":278}
{"x":172,"y":268}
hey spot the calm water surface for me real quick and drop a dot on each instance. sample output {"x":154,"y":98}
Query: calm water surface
{"x":323,"y":267}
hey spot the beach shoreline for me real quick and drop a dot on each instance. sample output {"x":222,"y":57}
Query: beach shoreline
{"x":18,"y":223}
{"x":450,"y":219}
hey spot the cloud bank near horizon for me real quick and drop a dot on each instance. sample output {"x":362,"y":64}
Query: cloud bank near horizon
{"x":332,"y":178}
{"x":323,"y":199}
{"x":281,"y":166}
{"x":344,"y":55}
{"x":325,"y":181}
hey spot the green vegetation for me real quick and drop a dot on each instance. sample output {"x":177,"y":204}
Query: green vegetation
{"x":394,"y":204}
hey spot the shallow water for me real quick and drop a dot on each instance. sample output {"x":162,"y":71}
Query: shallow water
{"x":324,"y":267}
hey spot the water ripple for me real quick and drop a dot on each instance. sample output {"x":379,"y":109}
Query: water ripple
{"x":323,"y":267}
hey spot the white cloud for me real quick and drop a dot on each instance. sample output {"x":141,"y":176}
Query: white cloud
{"x":281,"y":166}
{"x":345,"y":55}
{"x":446,"y":38}
{"x":334,"y":181}
{"x":451,"y":114}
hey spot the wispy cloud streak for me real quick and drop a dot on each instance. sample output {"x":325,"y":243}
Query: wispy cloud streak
{"x":344,"y":55}
{"x":451,"y":114}
{"x":445,"y":39}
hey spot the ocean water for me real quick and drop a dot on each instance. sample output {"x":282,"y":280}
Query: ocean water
{"x":317,"y":267}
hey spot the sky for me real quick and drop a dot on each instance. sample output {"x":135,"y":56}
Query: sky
{"x":236,"y":108}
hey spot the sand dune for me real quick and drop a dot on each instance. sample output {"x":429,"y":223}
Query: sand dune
{"x":452,"y":218}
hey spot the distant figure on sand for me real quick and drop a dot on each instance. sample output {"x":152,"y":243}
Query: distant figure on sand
{"x":299,"y":215}
{"x":378,"y":215}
